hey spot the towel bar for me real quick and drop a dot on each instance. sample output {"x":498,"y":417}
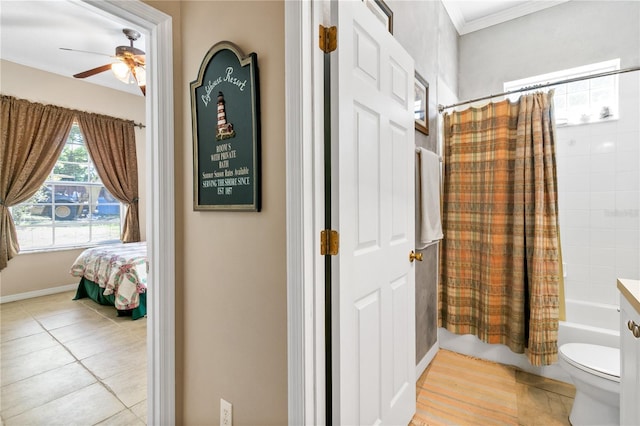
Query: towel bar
{"x":428,"y":245}
{"x":418,"y":150}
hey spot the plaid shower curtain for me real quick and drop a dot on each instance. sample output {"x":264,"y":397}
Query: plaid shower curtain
{"x":500,"y":258}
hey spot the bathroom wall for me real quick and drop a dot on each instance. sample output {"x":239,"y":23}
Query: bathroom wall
{"x":426,"y":32}
{"x":599,"y":189}
{"x":598,"y":163}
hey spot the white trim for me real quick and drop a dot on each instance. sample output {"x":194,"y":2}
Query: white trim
{"x":466,"y":27}
{"x":160,"y":193}
{"x":426,"y":360}
{"x":37,"y":293}
{"x":455,"y":14}
{"x":305,"y":393}
{"x":305,"y":214}
{"x":294,"y":134}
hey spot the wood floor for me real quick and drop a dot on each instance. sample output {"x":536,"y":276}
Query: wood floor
{"x":460,"y":390}
{"x":71,"y":362}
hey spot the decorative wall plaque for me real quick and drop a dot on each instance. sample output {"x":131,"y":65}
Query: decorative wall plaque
{"x":225,"y":118}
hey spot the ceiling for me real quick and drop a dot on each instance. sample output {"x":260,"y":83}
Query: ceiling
{"x":34,"y":39}
{"x":470,"y":16}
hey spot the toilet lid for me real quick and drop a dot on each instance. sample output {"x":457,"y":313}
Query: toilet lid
{"x":602,"y":361}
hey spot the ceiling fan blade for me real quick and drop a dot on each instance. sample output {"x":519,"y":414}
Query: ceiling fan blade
{"x":85,"y":51}
{"x":144,"y":90}
{"x":93,"y":71}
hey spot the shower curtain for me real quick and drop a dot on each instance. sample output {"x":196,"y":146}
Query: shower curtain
{"x":500,"y":256}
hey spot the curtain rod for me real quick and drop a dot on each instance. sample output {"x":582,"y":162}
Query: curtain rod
{"x":142,"y":126}
{"x":441,"y":108}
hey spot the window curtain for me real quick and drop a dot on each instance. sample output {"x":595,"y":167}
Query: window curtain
{"x":112,"y":145}
{"x":33,"y":136}
{"x":500,"y":258}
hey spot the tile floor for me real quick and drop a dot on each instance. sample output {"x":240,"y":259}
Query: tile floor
{"x":71,"y":362}
{"x":66,"y":362}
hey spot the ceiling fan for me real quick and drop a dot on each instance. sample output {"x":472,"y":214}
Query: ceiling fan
{"x":129,"y":66}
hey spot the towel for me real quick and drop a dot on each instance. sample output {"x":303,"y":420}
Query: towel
{"x":430,"y":223}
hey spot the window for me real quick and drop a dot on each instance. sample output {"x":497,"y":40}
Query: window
{"x":72,"y":208}
{"x":580,"y":102}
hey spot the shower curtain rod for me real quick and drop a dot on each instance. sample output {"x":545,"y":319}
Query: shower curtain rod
{"x":441,"y":108}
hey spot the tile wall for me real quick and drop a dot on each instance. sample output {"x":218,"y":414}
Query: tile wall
{"x":599,"y":200}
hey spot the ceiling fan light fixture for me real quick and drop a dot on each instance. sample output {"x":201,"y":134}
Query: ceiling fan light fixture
{"x":121,"y":71}
{"x":141,"y":75}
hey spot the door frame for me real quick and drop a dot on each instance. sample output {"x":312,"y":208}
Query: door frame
{"x":305,"y":210}
{"x":160,"y":199}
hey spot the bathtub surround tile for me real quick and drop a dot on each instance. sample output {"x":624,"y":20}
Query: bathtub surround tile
{"x":578,"y":236}
{"x":572,"y":289}
{"x":578,"y":218}
{"x":626,"y":162}
{"x":627,"y":181}
{"x":603,"y":181}
{"x":603,"y":145}
{"x":629,"y":113}
{"x":628,"y":203}
{"x":627,"y":238}
{"x":628,"y":143}
{"x":602,"y":200}
{"x":603,"y":292}
{"x":602,"y":256}
{"x":578,"y":272}
{"x":577,"y":181}
{"x":600,"y":238}
{"x":579,"y":200}
{"x":628,"y":219}
{"x":573,"y":254}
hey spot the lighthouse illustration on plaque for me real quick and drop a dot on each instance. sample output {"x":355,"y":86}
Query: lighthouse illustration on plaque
{"x":225,"y":130}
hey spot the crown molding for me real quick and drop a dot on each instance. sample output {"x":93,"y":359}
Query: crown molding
{"x":465,"y":27}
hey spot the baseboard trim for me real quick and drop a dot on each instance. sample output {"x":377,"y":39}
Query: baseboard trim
{"x":37,"y":293}
{"x":426,"y":360}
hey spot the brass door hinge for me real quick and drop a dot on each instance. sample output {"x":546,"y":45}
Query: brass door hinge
{"x":328,"y":39}
{"x":329,"y":242}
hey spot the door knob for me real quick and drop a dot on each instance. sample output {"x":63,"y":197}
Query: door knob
{"x":415,"y":256}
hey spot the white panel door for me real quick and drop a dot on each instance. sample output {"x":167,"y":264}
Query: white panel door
{"x":373,"y":175}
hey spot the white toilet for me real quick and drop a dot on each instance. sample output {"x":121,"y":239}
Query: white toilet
{"x":595,"y":371}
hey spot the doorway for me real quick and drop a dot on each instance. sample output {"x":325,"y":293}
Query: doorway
{"x":160,"y":203}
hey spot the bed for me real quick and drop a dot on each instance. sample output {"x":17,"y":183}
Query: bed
{"x":114,"y":275}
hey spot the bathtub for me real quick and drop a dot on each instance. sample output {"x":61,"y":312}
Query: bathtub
{"x":594,"y":323}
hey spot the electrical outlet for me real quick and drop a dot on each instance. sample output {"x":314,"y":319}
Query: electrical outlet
{"x":226,"y":413}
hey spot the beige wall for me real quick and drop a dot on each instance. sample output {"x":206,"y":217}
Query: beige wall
{"x":231,"y":298}
{"x":37,"y":271}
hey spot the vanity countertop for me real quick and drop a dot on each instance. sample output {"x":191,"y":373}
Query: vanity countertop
{"x":630,"y":289}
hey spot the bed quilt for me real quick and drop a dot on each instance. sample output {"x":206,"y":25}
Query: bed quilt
{"x":119,"y":269}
